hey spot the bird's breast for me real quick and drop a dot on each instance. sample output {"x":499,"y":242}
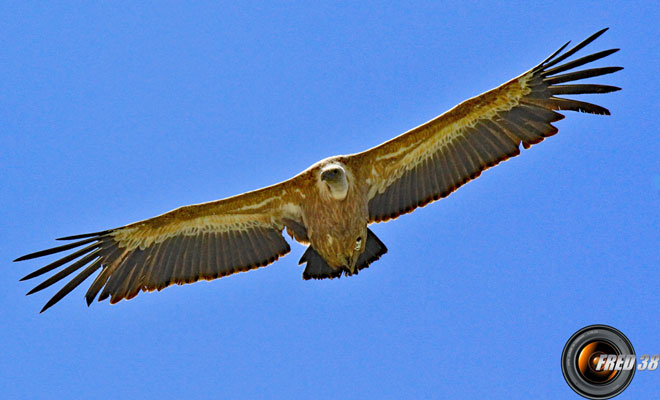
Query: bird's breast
{"x":334,"y":225}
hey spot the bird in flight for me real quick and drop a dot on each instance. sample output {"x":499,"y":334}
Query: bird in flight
{"x":329,"y":205}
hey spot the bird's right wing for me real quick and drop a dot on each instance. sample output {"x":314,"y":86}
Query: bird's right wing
{"x":202,"y":241}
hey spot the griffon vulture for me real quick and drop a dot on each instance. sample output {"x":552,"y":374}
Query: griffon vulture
{"x":329,"y":205}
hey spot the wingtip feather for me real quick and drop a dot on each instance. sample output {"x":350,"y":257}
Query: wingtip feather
{"x":553,"y":61}
{"x":46,"y":307}
{"x":85,"y":235}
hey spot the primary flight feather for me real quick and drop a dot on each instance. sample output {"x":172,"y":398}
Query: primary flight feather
{"x":329,"y":205}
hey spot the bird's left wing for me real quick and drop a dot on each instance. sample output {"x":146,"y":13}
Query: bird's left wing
{"x":202,"y":241}
{"x":434,"y":159}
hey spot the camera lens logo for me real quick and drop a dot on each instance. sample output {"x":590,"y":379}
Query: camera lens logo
{"x":598,"y":362}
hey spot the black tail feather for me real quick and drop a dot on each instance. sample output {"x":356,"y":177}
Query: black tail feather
{"x":317,"y":268}
{"x":375,"y":248}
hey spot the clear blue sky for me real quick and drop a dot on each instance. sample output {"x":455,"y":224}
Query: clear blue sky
{"x":116,"y":112}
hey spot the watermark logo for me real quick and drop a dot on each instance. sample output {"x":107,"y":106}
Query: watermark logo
{"x":599,"y":362}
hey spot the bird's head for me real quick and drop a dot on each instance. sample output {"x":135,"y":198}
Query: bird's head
{"x":334,"y":176}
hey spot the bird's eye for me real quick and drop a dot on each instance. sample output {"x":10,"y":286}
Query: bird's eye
{"x":330,"y":174}
{"x":358,"y":243}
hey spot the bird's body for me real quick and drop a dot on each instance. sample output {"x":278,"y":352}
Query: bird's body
{"x":336,"y":216}
{"x":330,"y":205}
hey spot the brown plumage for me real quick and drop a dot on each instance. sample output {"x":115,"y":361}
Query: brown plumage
{"x":329,"y":205}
